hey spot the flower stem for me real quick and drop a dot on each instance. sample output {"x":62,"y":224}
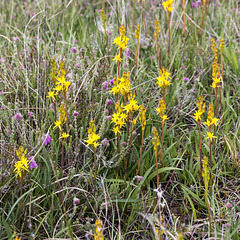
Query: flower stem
{"x":139,"y":162}
{"x":159,"y":53}
{"x":200,"y":145}
{"x":184,"y":18}
{"x":144,"y":21}
{"x":169,"y":36}
{"x":202,"y":17}
{"x":161,"y":151}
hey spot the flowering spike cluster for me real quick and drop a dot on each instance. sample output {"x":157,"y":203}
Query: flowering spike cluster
{"x":157,"y":28}
{"x":122,"y":40}
{"x":168,"y":5}
{"x":155,"y":140}
{"x":211,"y":119}
{"x":98,"y":235}
{"x":164,"y":79}
{"x":142,"y":116}
{"x":214,"y":49}
{"x":201,"y":109}
{"x":22,"y":163}
{"x":205,"y":173}
{"x":92,"y":136}
{"x":58,"y":76}
{"x":138,"y":32}
{"x":161,"y":109}
{"x":215,"y":75}
{"x":121,"y":86}
{"x":118,"y":118}
{"x":132,"y":106}
{"x":221,"y":44}
{"x":103,"y":16}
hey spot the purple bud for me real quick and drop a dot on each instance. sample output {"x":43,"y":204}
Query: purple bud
{"x":2,"y":60}
{"x":59,"y":34}
{"x":21,"y":67}
{"x":124,"y":144}
{"x":109,"y":102}
{"x":106,"y":111}
{"x":140,"y":178}
{"x":125,"y":65}
{"x":75,"y":114}
{"x":68,"y":75}
{"x":1,"y":92}
{"x":186,"y":79}
{"x":52,"y":45}
{"x":33,"y":163}
{"x":105,"y":142}
{"x":35,"y":37}
{"x":109,"y":118}
{"x":134,"y":132}
{"x":193,"y":5}
{"x":73,"y":50}
{"x":58,"y":49}
{"x":183,"y":67}
{"x":105,"y":85}
{"x":111,"y":81}
{"x":99,"y":10}
{"x":2,"y":107}
{"x":86,"y":56}
{"x":227,"y":224}
{"x":47,"y":139}
{"x":152,"y":57}
{"x":75,"y":41}
{"x":76,"y":201}
{"x":110,"y":32}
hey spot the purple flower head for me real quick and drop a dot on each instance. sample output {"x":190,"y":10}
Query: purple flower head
{"x":152,"y":57}
{"x":30,"y":114}
{"x":16,"y":39}
{"x":193,"y":5}
{"x":109,"y":102}
{"x":127,"y":53}
{"x":76,"y":201}
{"x":75,"y":41}
{"x":99,"y":10}
{"x":198,"y":3}
{"x":21,"y":67}
{"x":35,"y":37}
{"x":18,"y":116}
{"x":140,"y":178}
{"x":1,"y":92}
{"x":105,"y":85}
{"x":106,"y":111}
{"x":105,"y":142}
{"x":186,"y":79}
{"x":86,"y":56}
{"x":227,"y":224}
{"x":47,"y":139}
{"x":73,"y":50}
{"x":125,"y":65}
{"x":75,"y":114}
{"x":58,"y":49}
{"x":110,"y":32}
{"x":69,"y":75}
{"x":124,"y":144}
{"x":33,"y":163}
{"x":183,"y":67}
{"x":229,"y":205}
{"x":2,"y":60}
{"x":109,"y":118}
{"x":2,"y":107}
{"x":111,"y":81}
{"x":78,"y":65}
{"x":52,"y":45}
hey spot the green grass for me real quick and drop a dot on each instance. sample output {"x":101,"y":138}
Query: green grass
{"x":127,"y":207}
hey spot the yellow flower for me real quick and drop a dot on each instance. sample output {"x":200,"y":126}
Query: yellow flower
{"x":22,"y":163}
{"x":214,"y":121}
{"x":164,"y":79}
{"x":65,"y":135}
{"x":210,"y":136}
{"x":92,"y":136}
{"x":164,"y":118}
{"x":197,"y":115}
{"x":122,"y":40}
{"x":117,"y":58}
{"x":132,"y":106}
{"x":216,"y":82}
{"x":98,"y":235}
{"x":58,"y":88}
{"x":205,"y":173}
{"x":58,"y":124}
{"x":118,"y":118}
{"x":51,"y":95}
{"x":162,"y":107}
{"x":156,"y":24}
{"x":168,"y":5}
